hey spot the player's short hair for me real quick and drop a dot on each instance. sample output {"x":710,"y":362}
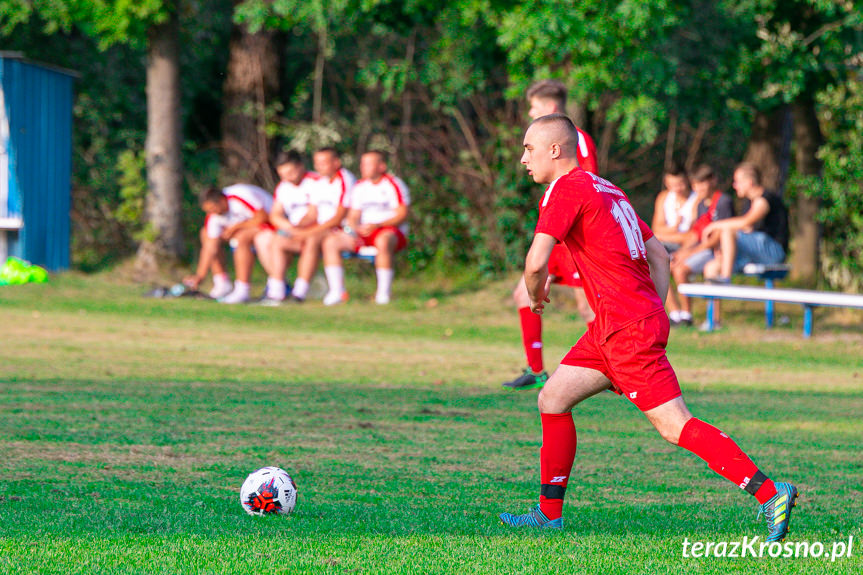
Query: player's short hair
{"x":561,"y":124}
{"x":211,"y":194}
{"x":289,"y":157}
{"x":676,"y":170}
{"x":703,"y":173}
{"x":750,"y":170}
{"x":330,"y":150}
{"x":549,"y":90}
{"x":380,"y":154}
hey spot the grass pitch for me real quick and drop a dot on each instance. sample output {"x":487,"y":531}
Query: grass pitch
{"x":127,"y":426}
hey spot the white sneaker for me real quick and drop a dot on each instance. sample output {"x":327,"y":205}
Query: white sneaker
{"x":220,"y":291}
{"x":382,"y":299}
{"x":335,"y":298}
{"x":235,"y":297}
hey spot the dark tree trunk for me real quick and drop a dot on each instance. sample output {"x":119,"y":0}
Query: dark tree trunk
{"x":164,"y":243}
{"x":252,"y":82}
{"x":765,"y":147}
{"x":805,"y":231}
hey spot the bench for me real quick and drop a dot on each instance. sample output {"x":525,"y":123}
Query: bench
{"x":365,"y":253}
{"x":768,"y":273}
{"x":809,"y":299}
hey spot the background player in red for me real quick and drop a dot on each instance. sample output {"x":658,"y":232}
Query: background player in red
{"x":624,"y":269}
{"x":549,"y":97}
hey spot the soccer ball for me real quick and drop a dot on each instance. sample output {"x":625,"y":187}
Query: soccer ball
{"x":268,"y":490}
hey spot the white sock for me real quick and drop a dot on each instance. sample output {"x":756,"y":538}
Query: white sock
{"x":221,"y":281}
{"x":335,"y":279}
{"x":276,"y":288}
{"x":385,"y":281}
{"x":301,"y":288}
{"x":242,"y":288}
{"x":674,"y":315}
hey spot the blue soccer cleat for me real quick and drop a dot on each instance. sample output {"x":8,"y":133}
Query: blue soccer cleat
{"x":535,"y":518}
{"x":778,"y":511}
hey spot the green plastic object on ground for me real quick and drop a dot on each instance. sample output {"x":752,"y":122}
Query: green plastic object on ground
{"x":17,"y":271}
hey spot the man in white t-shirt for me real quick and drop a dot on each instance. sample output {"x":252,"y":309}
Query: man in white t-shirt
{"x":294,"y":217}
{"x":236,"y":214}
{"x":377,"y":218}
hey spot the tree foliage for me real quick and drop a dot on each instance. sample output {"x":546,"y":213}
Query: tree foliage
{"x":441,"y":87}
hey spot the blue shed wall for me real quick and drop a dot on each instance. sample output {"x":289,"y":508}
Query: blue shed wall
{"x":39,"y":109}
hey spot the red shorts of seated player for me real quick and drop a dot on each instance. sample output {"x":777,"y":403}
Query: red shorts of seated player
{"x":401,"y":240}
{"x":633,"y":358}
{"x":561,"y":266}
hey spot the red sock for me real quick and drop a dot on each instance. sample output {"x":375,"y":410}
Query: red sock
{"x":531,"y":337}
{"x":555,"y":461}
{"x":725,"y":458}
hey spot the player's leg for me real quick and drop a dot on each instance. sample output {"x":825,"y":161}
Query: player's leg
{"x":310,"y":250}
{"x":262,"y":242}
{"x":568,"y":386}
{"x":386,"y":241}
{"x":676,"y":425}
{"x":244,"y":261}
{"x":584,"y":309}
{"x":279,"y":259}
{"x":534,"y":375}
{"x":728,"y":251}
{"x":212,"y":259}
{"x":333,"y":245}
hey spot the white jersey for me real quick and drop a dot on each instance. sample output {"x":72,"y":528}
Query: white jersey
{"x":243,"y":201}
{"x":295,"y":198}
{"x":330,"y":193}
{"x":377,"y":202}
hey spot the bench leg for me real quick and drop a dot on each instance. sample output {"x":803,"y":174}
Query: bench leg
{"x":710,"y":325}
{"x":807,"y":321}
{"x":768,"y":306}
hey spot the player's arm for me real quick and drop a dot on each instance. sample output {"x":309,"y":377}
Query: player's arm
{"x":536,"y":271}
{"x":209,"y":251}
{"x":657,"y":259}
{"x":757,"y":211}
{"x":310,"y":218}
{"x":278,"y":218}
{"x":259,"y":217}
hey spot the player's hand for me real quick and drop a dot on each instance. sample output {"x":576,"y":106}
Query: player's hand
{"x":366,"y":229}
{"x":191,"y":282}
{"x":538,"y":307}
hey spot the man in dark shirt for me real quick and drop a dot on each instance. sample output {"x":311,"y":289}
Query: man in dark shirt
{"x":758,"y":236}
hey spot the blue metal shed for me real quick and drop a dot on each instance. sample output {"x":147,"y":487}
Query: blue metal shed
{"x":35,"y":161}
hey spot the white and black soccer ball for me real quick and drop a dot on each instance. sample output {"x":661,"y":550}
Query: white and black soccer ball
{"x":268,"y":490}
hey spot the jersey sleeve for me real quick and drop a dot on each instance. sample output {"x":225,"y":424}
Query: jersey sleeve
{"x":646,"y":232}
{"x":586,"y":153}
{"x":558,"y":212}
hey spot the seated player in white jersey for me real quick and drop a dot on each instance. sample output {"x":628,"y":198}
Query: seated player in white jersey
{"x":377,"y":217}
{"x":294,"y":217}
{"x":236,"y":215}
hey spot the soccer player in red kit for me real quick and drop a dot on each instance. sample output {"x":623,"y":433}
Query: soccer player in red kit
{"x":624,"y":269}
{"x":549,"y":97}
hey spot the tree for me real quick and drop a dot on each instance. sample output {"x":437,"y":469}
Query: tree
{"x":155,"y":24}
{"x":250,"y":88}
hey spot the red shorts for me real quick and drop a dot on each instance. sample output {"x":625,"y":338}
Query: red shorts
{"x":401,"y":240}
{"x":561,"y":266}
{"x":633,"y":358}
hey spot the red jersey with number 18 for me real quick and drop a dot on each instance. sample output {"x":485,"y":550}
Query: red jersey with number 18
{"x":599,"y":226}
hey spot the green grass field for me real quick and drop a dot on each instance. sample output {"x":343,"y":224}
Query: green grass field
{"x":128,"y":424}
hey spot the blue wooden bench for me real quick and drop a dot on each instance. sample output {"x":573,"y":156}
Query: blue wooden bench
{"x":768,"y":273}
{"x":365,"y":253}
{"x":809,"y":299}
